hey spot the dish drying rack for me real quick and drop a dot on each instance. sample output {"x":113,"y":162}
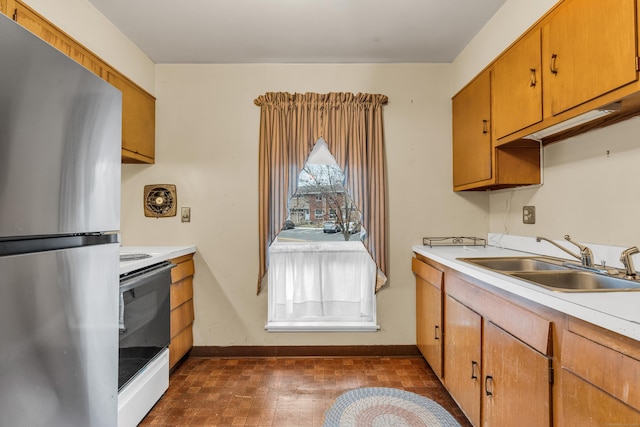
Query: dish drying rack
{"x":453,"y":241}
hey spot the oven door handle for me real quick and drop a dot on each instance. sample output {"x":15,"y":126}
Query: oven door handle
{"x":134,"y":282}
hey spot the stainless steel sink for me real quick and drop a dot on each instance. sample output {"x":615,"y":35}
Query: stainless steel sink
{"x":518,"y":263}
{"x":554,"y":274}
{"x":577,"y":281}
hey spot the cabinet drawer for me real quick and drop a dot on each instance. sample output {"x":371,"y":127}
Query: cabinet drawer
{"x":427,"y":272}
{"x":526,"y":325}
{"x":181,"y":292}
{"x":609,"y":370}
{"x":181,"y":317}
{"x":182,"y":270}
{"x":587,"y":406}
{"x":180,"y":345}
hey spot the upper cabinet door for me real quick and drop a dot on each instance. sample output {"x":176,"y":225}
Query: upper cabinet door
{"x":588,"y":49}
{"x":517,"y":85}
{"x":32,"y":22}
{"x":138,"y":121}
{"x":472,"y":151}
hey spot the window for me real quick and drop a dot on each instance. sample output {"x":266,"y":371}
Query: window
{"x":290,"y":127}
{"x":318,"y":213}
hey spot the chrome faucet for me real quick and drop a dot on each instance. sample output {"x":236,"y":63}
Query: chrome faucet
{"x":625,"y":259}
{"x":585,"y":256}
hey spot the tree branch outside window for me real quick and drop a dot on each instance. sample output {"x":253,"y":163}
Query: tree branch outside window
{"x":326,"y":181}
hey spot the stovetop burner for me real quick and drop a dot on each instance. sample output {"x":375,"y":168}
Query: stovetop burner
{"x":453,"y":241}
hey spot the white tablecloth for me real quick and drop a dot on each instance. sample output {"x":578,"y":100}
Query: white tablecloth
{"x":323,"y":281}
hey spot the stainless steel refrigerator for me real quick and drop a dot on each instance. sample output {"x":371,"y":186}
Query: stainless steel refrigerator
{"x":60,"y":139}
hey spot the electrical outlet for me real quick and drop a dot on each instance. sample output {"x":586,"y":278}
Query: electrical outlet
{"x":185,"y":214}
{"x":528,"y":214}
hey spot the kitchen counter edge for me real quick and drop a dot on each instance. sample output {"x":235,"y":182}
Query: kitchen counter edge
{"x":158,"y":254}
{"x":616,"y":311}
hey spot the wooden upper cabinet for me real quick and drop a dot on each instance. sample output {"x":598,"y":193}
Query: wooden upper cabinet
{"x":517,"y":85}
{"x":138,"y":120}
{"x":588,"y":49}
{"x":88,"y":60}
{"x":41,"y":28}
{"x":27,"y":18}
{"x":477,"y":164}
{"x":472,"y":150}
{"x":138,"y":106}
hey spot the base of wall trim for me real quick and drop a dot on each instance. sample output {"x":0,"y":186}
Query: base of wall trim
{"x":306,"y":351}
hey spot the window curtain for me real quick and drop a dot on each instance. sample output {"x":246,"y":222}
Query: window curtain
{"x":351,"y":125}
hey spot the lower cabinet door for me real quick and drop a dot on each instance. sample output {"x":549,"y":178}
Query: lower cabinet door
{"x":516,"y":387}
{"x":428,"y":323}
{"x":463,"y":346}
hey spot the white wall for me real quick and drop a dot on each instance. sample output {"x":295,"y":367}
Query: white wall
{"x":590,"y":190}
{"x":207,"y":144}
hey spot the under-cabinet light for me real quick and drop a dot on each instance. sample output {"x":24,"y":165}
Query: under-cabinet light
{"x":575,"y":121}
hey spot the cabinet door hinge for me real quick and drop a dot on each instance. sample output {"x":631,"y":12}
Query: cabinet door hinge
{"x":637,"y":63}
{"x":550,"y":375}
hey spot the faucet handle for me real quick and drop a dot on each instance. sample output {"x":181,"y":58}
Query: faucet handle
{"x":625,"y":259}
{"x":586,"y":254}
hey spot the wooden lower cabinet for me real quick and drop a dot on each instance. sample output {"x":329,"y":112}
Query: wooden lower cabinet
{"x":429,"y":313}
{"x":509,"y":361}
{"x":585,"y":405}
{"x":182,"y":313}
{"x":600,"y":381}
{"x":516,"y":386}
{"x":463,"y":357}
{"x":497,"y":355}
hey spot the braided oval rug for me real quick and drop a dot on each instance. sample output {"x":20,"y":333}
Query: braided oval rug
{"x":382,"y":407}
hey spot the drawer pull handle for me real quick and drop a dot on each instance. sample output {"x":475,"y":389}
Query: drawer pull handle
{"x":488,"y":379}
{"x":485,"y":128}
{"x":474,"y":367}
{"x":436,"y":335}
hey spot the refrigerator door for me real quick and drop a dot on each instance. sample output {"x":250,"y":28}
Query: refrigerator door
{"x":60,"y":143}
{"x":59,"y":335}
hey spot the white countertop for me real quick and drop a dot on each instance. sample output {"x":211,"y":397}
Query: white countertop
{"x":617,"y":311}
{"x":158,"y":254}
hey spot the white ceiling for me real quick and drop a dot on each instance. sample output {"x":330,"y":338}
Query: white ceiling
{"x":299,"y":31}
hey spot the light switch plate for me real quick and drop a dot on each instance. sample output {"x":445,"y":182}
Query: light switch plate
{"x":528,"y":214}
{"x":185,"y":214}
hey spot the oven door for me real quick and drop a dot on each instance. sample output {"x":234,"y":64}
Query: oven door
{"x":144,"y":319}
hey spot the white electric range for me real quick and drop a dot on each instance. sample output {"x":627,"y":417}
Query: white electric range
{"x":144,"y":336}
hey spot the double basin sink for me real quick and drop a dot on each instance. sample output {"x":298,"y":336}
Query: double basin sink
{"x":556,"y":274}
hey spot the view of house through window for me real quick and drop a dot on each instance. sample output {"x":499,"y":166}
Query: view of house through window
{"x":321,"y":277}
{"x":321,"y":210}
